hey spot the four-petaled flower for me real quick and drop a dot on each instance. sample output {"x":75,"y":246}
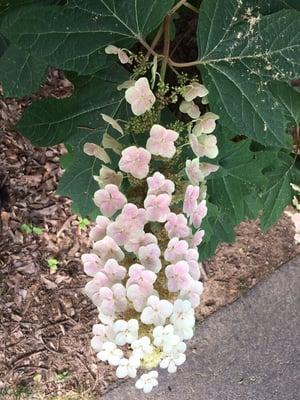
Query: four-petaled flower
{"x":204,"y":145}
{"x":178,"y":276}
{"x":161,"y":141}
{"x":190,"y":199}
{"x":176,"y":250}
{"x":162,"y":335}
{"x":193,"y":293}
{"x":91,"y":264}
{"x":140,"y":96}
{"x":109,"y":200}
{"x":194,"y":90}
{"x":112,"y":300}
{"x":192,"y":169}
{"x":157,"y":311}
{"x":141,"y":347}
{"x":157,"y":207}
{"x":183,"y":319}
{"x":175,"y":356}
{"x":110,"y":353}
{"x":107,"y":248}
{"x":135,"y":161}
{"x":128,"y":367}
{"x":158,"y":184}
{"x":190,"y":108}
{"x":206,"y":123}
{"x":147,"y":381}
{"x":139,"y":275}
{"x":114,"y":272}
{"x":199,"y":213}
{"x":98,"y":232}
{"x":149,"y":256}
{"x":102,"y":334}
{"x":125,"y":331}
{"x":176,"y":226}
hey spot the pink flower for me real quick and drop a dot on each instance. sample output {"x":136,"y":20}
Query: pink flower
{"x":194,"y":269}
{"x":112,"y":300}
{"x":133,"y":216}
{"x":138,"y":295}
{"x":114,"y":272}
{"x":109,"y":200}
{"x":204,"y":145}
{"x":91,"y":264}
{"x":99,"y":230}
{"x":119,"y":232}
{"x":190,"y":199}
{"x":141,"y":240}
{"x":93,"y":287}
{"x":161,"y":141}
{"x":149,"y":257}
{"x":176,"y":250}
{"x":158,"y":184}
{"x":135,"y":161}
{"x":192,"y":169}
{"x":196,"y":239}
{"x":192,"y":294}
{"x":140,"y":97}
{"x":191,"y":255}
{"x":176,"y":226}
{"x":199,"y":213}
{"x":107,"y":248}
{"x":178,"y":276}
{"x":157,"y":207}
{"x":141,"y":276}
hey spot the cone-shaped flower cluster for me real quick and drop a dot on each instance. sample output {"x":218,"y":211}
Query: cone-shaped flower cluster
{"x":145,"y":264}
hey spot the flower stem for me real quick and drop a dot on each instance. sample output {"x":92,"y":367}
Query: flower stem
{"x":191,"y":7}
{"x":156,"y":39}
{"x":166,"y":51}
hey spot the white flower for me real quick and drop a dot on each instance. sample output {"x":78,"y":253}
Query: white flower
{"x":105,"y":319}
{"x":126,"y":332}
{"x":112,"y":122}
{"x":102,"y":334}
{"x":128,"y":367}
{"x":204,"y":145}
{"x":174,"y":354}
{"x":110,"y":353}
{"x":183,"y":319}
{"x":157,"y":311}
{"x":206,"y":123}
{"x":162,"y":335}
{"x":190,"y":108}
{"x":141,"y":347}
{"x":122,"y":56}
{"x":194,"y":90}
{"x":147,"y":381}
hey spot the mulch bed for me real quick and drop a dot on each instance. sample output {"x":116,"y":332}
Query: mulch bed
{"x":45,"y":320}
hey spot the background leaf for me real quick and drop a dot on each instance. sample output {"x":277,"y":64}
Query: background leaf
{"x":240,"y":51}
{"x":74,"y":36}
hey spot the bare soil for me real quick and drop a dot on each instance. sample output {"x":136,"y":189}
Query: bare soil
{"x":45,"y":320}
